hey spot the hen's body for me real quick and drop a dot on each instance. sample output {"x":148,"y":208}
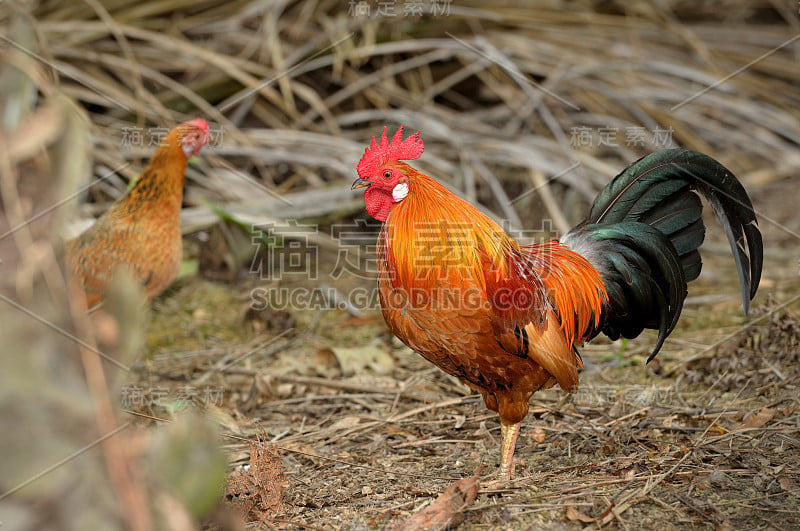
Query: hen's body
{"x":141,"y":233}
{"x":507,"y":319}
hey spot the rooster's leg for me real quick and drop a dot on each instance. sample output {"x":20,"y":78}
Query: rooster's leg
{"x":509,"y":433}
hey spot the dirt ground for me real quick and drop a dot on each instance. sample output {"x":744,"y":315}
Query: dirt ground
{"x":369,"y":433}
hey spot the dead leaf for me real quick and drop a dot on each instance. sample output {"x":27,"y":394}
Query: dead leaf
{"x":445,"y":511}
{"x":345,"y":423}
{"x":718,"y":479}
{"x":573,"y":514}
{"x":716,"y":428}
{"x":224,"y":418}
{"x":257,"y":492}
{"x":538,"y":435}
{"x":679,"y":451}
{"x":355,"y":360}
{"x":628,"y":471}
{"x":759,"y":418}
{"x":703,"y":484}
{"x":325,"y":359}
{"x":786,"y":484}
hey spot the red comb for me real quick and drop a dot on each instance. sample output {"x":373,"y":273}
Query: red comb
{"x":376,"y":155}
{"x":199,"y":123}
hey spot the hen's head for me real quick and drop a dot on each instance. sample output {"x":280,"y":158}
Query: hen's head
{"x":190,"y":136}
{"x":383,"y":175}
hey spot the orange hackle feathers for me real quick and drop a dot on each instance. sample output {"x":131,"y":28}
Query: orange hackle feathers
{"x":441,"y":237}
{"x":439,"y":242}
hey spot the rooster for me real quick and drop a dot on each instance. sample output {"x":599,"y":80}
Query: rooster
{"x":140,"y":233}
{"x":507,"y":319}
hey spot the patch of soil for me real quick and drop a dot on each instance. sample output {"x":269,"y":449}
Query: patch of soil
{"x":630,"y":449}
{"x":767,"y":354}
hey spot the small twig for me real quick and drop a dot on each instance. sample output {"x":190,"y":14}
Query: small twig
{"x":426,"y":442}
{"x":144,"y":415}
{"x":629,"y":415}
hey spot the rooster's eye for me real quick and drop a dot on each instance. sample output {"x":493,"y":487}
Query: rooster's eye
{"x":387,"y":174}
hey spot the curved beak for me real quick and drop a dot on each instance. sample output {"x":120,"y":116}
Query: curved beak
{"x":360,"y":183}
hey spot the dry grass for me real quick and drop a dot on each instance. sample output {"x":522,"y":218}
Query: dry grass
{"x":525,"y":112}
{"x":501,"y":93}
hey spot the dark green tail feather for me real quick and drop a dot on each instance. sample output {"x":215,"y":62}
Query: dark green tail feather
{"x":643,"y":234}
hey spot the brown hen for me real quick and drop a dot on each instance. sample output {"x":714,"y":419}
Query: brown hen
{"x":141,"y":233}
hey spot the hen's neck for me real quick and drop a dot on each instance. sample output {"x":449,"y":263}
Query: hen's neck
{"x":162,"y":180}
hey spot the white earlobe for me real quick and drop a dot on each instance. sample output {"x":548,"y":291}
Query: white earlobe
{"x":188,"y":149}
{"x":400,"y":192}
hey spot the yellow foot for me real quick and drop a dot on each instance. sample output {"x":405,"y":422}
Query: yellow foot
{"x":509,"y":433}
{"x":503,"y":478}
